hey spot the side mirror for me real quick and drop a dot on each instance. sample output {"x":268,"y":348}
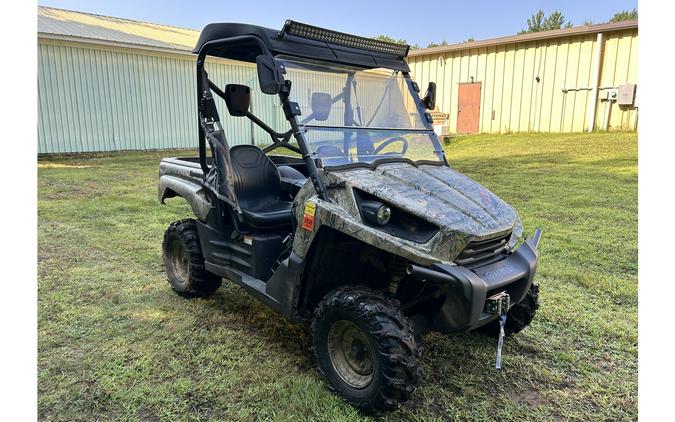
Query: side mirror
{"x":270,"y":74}
{"x":429,"y":99}
{"x":237,"y":99}
{"x":321,"y":104}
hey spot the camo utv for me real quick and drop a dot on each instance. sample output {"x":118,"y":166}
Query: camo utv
{"x":335,"y":204}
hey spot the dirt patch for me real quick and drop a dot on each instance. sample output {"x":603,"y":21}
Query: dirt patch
{"x":530,"y":398}
{"x":62,"y":166}
{"x":145,"y":414}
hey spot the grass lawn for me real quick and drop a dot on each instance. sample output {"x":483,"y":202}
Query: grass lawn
{"x":116,"y":343}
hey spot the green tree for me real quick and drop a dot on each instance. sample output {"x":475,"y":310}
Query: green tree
{"x":387,"y":38}
{"x":540,"y":22}
{"x":535,"y":23}
{"x":435,"y":44}
{"x":556,"y":20}
{"x":624,"y":15}
{"x":470,"y":39}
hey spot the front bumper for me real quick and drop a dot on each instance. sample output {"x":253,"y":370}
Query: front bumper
{"x":466,"y":290}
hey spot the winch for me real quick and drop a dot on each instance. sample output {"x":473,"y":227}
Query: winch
{"x":499,"y":304}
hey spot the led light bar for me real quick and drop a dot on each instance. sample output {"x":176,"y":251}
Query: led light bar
{"x":340,"y":38}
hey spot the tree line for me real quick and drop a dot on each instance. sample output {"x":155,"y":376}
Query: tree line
{"x":538,"y":22}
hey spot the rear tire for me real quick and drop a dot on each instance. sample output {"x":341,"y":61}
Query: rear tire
{"x":184,"y":262}
{"x":366,"y":349}
{"x":519,"y":316}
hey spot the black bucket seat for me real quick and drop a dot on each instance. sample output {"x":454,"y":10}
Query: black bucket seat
{"x":258,"y":186}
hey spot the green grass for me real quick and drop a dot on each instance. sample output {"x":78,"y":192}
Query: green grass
{"x":116,"y":343}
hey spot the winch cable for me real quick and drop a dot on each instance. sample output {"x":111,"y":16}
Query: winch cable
{"x":500,"y":342}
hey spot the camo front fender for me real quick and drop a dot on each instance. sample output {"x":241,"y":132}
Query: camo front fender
{"x":334,"y":216}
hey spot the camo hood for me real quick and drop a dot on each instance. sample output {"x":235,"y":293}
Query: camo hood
{"x":438,"y":194}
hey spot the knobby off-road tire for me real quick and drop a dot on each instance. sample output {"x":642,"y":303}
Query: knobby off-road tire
{"x":366,"y":349}
{"x":519,"y":316}
{"x":184,"y":262}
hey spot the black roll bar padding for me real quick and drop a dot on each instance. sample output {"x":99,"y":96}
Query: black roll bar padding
{"x":202,"y":151}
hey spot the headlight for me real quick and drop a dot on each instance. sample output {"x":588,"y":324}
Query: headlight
{"x":376,"y":212}
{"x":392,"y":220}
{"x":383,"y":215}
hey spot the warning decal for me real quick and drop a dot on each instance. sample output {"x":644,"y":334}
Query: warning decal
{"x":308,"y":216}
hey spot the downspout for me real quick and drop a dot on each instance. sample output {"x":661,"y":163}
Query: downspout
{"x":597,"y":67}
{"x":608,"y":113}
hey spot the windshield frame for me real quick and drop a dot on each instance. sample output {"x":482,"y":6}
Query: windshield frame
{"x":413,"y":93}
{"x":218,"y":176}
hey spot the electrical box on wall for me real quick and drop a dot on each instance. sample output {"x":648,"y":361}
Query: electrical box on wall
{"x":442,"y":130}
{"x":440,"y":122}
{"x":626,"y":94}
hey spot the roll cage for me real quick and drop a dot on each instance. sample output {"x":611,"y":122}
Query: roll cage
{"x":295,"y":40}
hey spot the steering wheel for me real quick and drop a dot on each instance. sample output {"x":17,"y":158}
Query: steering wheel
{"x":332,"y":156}
{"x":390,"y":141}
{"x":329,"y":151}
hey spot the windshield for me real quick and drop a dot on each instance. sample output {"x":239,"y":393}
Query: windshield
{"x":353,"y":115}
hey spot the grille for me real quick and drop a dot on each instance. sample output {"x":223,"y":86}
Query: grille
{"x":483,"y":252}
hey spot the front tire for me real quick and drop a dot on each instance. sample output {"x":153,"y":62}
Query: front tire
{"x":519,"y":316}
{"x":184,"y":262}
{"x":366,"y":349}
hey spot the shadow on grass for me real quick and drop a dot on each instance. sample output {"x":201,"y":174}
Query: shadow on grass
{"x":258,"y":320}
{"x":471,"y":353}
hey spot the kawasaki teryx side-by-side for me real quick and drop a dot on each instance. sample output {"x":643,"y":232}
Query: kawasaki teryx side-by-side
{"x":349,"y":216}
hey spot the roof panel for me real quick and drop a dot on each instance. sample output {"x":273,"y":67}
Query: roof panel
{"x":106,"y":28}
{"x":531,"y":36}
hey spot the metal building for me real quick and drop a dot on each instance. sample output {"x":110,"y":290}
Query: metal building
{"x":568,"y":80}
{"x":109,"y":84}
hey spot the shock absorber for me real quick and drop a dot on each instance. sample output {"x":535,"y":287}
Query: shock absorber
{"x":397,"y":268}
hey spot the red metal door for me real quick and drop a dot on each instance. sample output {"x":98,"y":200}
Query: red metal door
{"x":468,"y":110}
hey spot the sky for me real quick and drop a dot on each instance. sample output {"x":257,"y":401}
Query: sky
{"x":418,"y":22}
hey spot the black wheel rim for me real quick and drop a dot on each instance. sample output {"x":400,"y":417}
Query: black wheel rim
{"x":350,"y":354}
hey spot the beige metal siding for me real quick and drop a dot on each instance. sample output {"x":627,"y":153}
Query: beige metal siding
{"x":511,"y":93}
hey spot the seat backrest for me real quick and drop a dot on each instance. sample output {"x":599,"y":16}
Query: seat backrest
{"x":256,"y":178}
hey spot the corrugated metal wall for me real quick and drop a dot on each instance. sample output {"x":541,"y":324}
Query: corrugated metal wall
{"x":107,"y":98}
{"x":119,"y":99}
{"x":511,"y":97}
